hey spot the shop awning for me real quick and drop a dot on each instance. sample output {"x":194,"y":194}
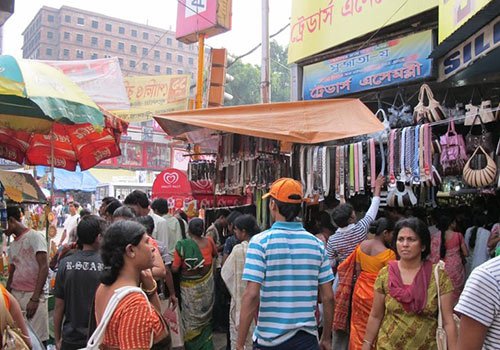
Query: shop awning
{"x":65,"y":180}
{"x":297,"y":122}
{"x":21,"y":187}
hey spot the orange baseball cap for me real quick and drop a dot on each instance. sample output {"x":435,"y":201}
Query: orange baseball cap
{"x":286,"y":190}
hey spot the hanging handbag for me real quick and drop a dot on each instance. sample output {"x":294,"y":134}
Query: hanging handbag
{"x":484,"y":110}
{"x":485,"y":139}
{"x":401,"y":196}
{"x":382,"y":135}
{"x":12,"y":337}
{"x":453,"y":154}
{"x":400,"y":116}
{"x":480,"y":177}
{"x":432,"y":112}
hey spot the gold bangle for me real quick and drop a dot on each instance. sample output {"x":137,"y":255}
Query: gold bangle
{"x":151,"y":291}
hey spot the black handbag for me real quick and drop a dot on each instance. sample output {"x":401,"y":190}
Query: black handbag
{"x":485,"y":139}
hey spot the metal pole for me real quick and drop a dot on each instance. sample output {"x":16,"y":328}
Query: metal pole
{"x":199,"y":80}
{"x":265,"y":85}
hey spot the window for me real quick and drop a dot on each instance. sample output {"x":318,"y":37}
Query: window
{"x":67,"y":19}
{"x":144,"y":51}
{"x":131,"y":64}
{"x":133,"y":49}
{"x":144,"y":67}
{"x":107,"y":43}
{"x":180,"y":71}
{"x":157,"y":54}
{"x":180,"y":59}
{"x":94,"y":41}
{"x":109,"y":27}
{"x":95,"y":24}
{"x":145,"y":35}
{"x":169,"y":56}
{"x":157,"y":69}
{"x":121,"y":30}
{"x":79,"y":54}
{"x":66,"y":35}
{"x":50,"y":18}
{"x":80,"y":21}
{"x":133,"y":32}
{"x":121,"y":46}
{"x":120,"y":60}
{"x":48,"y":51}
{"x":169,"y":41}
{"x":180,"y":45}
{"x":79,"y":38}
{"x":169,"y":70}
{"x":191,"y":61}
{"x":65,"y":52}
{"x":50,"y":35}
{"x":93,"y":56}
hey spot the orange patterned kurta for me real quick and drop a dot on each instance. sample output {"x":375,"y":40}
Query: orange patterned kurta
{"x":403,"y":330}
{"x":131,"y":325}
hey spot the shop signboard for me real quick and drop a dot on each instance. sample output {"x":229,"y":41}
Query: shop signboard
{"x":454,"y":13}
{"x":101,"y":79}
{"x":484,"y":41}
{"x":394,"y":62}
{"x":317,"y":25}
{"x":209,"y":17}
{"x":153,"y":95}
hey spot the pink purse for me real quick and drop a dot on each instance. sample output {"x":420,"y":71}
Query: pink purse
{"x":453,"y":155}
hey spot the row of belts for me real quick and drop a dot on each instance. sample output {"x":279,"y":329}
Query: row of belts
{"x":314,"y":170}
{"x":201,"y":170}
{"x":234,"y":148}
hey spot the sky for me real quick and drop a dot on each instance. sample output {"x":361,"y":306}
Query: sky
{"x":245,"y":33}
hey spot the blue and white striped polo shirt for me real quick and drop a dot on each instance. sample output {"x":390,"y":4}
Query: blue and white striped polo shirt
{"x":289,"y":263}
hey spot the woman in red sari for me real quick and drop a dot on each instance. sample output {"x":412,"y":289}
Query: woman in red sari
{"x":371,"y":256}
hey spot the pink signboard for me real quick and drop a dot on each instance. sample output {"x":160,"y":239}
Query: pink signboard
{"x":209,"y":17}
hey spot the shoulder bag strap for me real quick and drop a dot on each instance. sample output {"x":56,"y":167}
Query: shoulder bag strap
{"x":436,"y":277}
{"x":98,"y":336}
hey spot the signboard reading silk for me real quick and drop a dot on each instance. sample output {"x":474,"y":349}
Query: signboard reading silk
{"x":318,"y":25}
{"x":394,"y":62}
{"x":475,"y":47}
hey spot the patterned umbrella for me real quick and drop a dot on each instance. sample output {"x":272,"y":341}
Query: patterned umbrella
{"x":34,"y":95}
{"x":68,"y":145}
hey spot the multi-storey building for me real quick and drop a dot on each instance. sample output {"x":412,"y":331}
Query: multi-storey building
{"x":73,"y":34}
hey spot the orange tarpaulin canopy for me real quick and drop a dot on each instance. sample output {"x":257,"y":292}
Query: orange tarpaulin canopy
{"x":297,"y":122}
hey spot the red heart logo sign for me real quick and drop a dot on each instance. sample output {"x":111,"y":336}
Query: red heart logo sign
{"x":170,"y":178}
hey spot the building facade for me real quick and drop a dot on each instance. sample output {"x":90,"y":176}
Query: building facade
{"x":73,"y":34}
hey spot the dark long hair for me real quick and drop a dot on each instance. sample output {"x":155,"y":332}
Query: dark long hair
{"x":247,"y":223}
{"x":443,"y":223}
{"x":480,"y":220}
{"x":115,"y":240}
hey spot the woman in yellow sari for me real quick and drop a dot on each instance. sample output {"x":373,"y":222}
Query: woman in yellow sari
{"x":371,"y":256}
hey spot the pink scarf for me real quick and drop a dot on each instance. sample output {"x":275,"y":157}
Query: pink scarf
{"x":412,"y":297}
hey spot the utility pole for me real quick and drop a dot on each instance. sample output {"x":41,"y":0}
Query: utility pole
{"x":199,"y":80}
{"x":265,"y":84}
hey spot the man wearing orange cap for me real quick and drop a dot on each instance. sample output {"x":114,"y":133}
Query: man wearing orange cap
{"x":284,"y":268}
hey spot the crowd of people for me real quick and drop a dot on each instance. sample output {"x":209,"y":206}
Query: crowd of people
{"x":381,"y":279}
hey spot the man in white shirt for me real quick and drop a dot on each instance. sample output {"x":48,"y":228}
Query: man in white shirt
{"x":71,"y":222}
{"x":160,"y":207}
{"x":138,"y":202}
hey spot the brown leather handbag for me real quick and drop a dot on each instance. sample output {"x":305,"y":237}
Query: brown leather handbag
{"x":480,"y":177}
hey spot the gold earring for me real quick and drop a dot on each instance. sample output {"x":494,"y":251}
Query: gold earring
{"x":132,"y":255}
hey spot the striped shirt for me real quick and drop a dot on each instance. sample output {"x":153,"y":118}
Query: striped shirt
{"x":343,"y":242}
{"x":480,"y":300}
{"x":289,"y":263}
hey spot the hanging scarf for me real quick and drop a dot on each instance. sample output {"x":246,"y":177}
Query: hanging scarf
{"x":412,"y":297}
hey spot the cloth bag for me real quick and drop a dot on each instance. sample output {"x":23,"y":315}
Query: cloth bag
{"x":12,"y":337}
{"x":432,"y":112}
{"x":453,"y":156}
{"x":97,"y":337}
{"x":401,"y":196}
{"x":174,"y":323}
